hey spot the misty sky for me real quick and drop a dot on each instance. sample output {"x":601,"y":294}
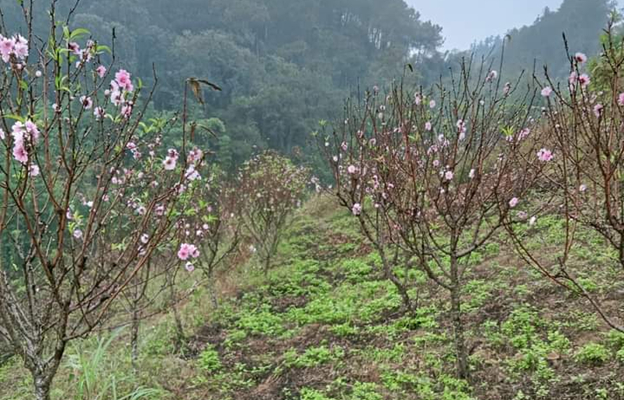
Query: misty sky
{"x":465,"y":21}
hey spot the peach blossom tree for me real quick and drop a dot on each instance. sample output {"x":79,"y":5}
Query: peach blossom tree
{"x":431,"y":177}
{"x":87,"y":190}
{"x":270,"y":187}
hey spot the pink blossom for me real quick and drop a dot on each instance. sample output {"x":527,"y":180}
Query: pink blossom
{"x":169,"y":163}
{"x":86,"y":102}
{"x":115,"y":94}
{"x":189,"y":267}
{"x":101,"y":71}
{"x":598,"y":110}
{"x":580,"y":58}
{"x":2,"y":135}
{"x":428,"y":126}
{"x":18,"y":131}
{"x":584,"y":80}
{"x":187,"y":250}
{"x":471,"y":174}
{"x":74,"y":48}
{"x":507,"y":88}
{"x":582,"y":188}
{"x":513,"y":202}
{"x":544,"y":155}
{"x":184,"y":252}
{"x":194,"y":251}
{"x":98,"y":112}
{"x":547,"y":91}
{"x":144,"y":238}
{"x":173,"y":153}
{"x":351,"y":169}
{"x":195,"y":155}
{"x":192,"y":174}
{"x":356,"y":209}
{"x":432,"y":104}
{"x":77,"y":234}
{"x":621,"y":99}
{"x":21,"y":47}
{"x":533,"y":220}
{"x":491,"y":76}
{"x":32,"y":130}
{"x":122,"y":77}
{"x":448,"y":175}
{"x":33,"y":170}
{"x":126,"y":110}
{"x":19,"y":152}
{"x":6,"y":48}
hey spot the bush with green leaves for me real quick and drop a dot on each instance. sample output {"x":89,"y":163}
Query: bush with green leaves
{"x":592,"y":354}
{"x":209,"y":360}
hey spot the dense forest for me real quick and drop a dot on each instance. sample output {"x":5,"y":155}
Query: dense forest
{"x":282,"y":73}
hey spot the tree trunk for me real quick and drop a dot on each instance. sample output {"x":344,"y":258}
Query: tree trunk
{"x":179,"y":339}
{"x":402,"y":289}
{"x":213,"y":292}
{"x":134,"y":341}
{"x":458,"y":327}
{"x":267,"y":265}
{"x":42,"y":388}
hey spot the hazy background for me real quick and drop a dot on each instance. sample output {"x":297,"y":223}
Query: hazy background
{"x":467,"y":21}
{"x":284,"y":65}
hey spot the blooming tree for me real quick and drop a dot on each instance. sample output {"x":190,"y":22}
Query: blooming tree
{"x":585,"y":176}
{"x":362,"y":187}
{"x":269,"y":189}
{"x":425,"y":174}
{"x":210,"y":223}
{"x":87,"y":190}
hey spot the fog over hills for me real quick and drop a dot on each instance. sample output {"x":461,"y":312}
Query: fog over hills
{"x":467,"y":23}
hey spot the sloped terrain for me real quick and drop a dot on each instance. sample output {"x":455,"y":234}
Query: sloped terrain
{"x":324,"y":325}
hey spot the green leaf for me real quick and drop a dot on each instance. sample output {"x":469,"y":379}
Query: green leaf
{"x":100,"y":49}
{"x":15,"y":117}
{"x":76,"y":33}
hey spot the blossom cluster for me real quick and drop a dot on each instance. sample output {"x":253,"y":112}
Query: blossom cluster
{"x":25,"y":135}
{"x":15,"y":46}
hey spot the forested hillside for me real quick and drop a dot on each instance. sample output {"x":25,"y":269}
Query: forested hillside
{"x":542,"y":43}
{"x":285,"y":65}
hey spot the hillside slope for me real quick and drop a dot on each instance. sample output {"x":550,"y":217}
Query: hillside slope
{"x":325,"y":326}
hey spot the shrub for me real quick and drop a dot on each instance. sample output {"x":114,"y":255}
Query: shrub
{"x":592,"y":353}
{"x":209,"y":360}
